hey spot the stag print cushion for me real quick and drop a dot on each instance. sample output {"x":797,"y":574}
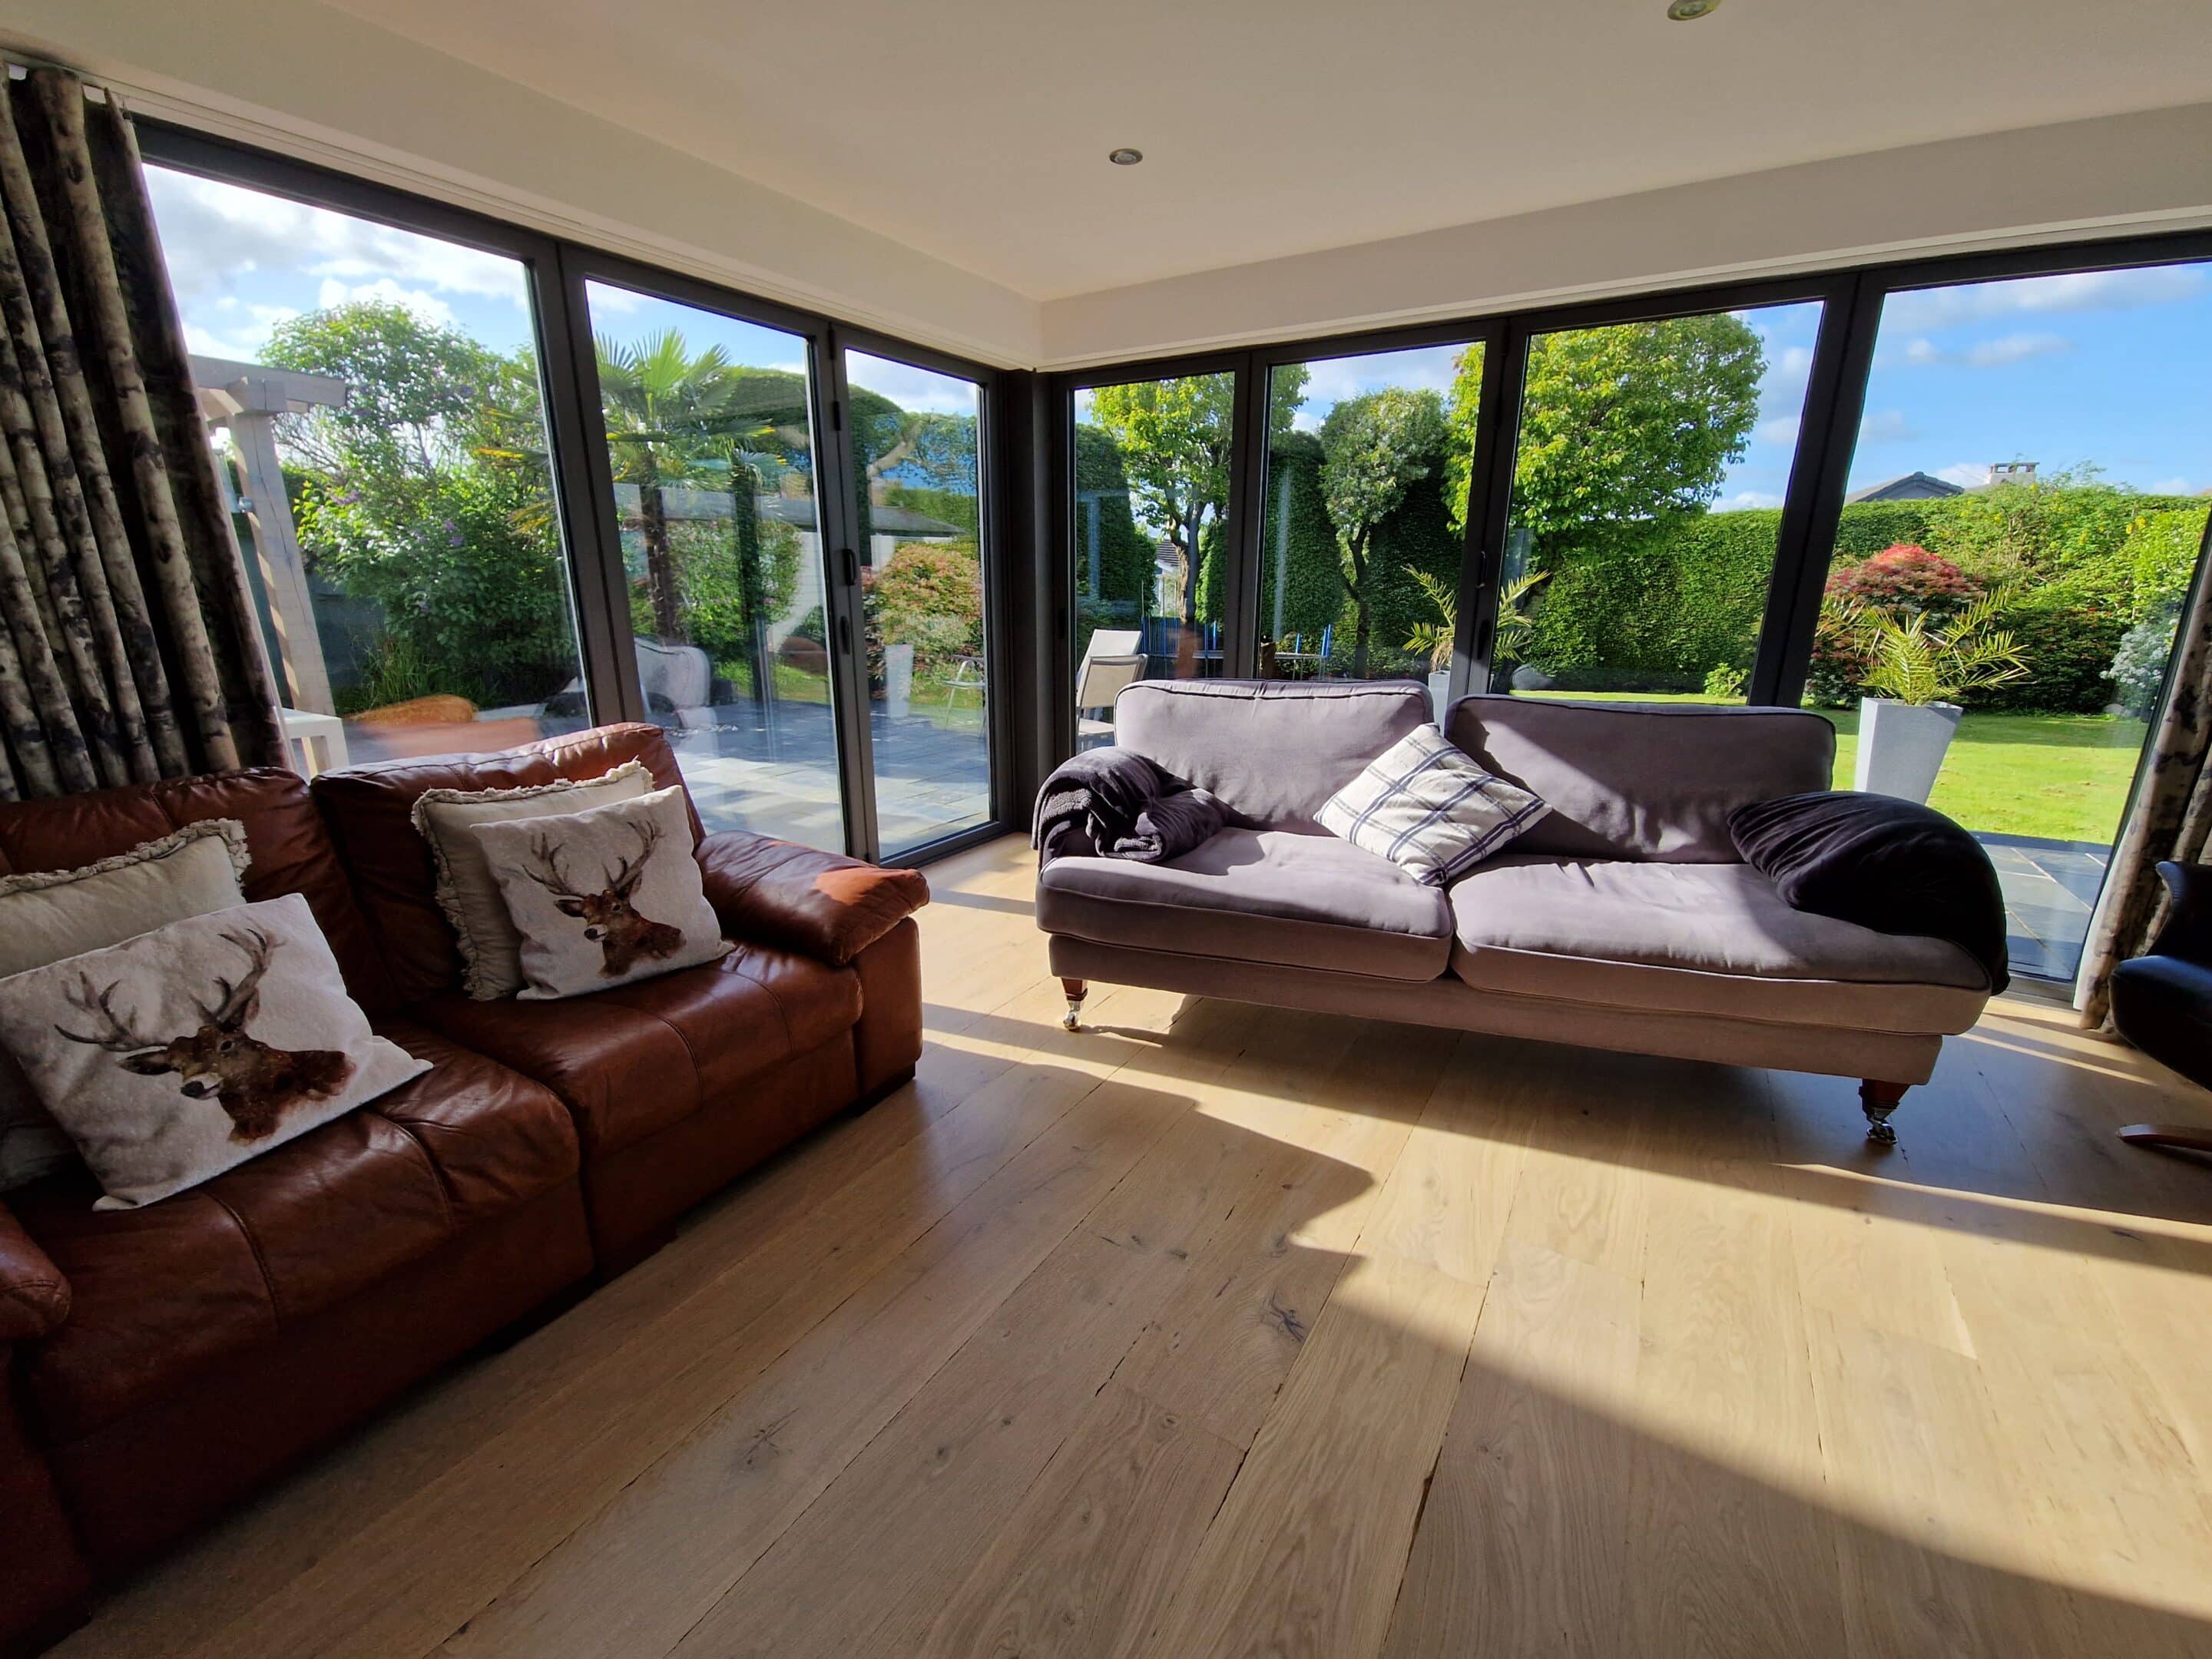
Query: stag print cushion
{"x":491,"y":960}
{"x":182,"y":1053}
{"x":605,"y":896}
{"x":54,"y":914}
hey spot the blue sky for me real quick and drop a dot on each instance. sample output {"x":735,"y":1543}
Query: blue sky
{"x":2106,"y":367}
{"x":243,"y":261}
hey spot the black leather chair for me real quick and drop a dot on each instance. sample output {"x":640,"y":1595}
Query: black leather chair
{"x":2162,"y":1000}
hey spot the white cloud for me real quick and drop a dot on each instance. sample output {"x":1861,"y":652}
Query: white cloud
{"x":1782,"y":429}
{"x":1887,"y":426}
{"x":1987,"y":354}
{"x":1330,"y":380}
{"x":2088,"y":290}
{"x":426,"y":306}
{"x":1745,"y":499}
{"x":922,"y":390}
{"x":1967,"y":475}
{"x":214,"y":234}
{"x":2173,"y":487}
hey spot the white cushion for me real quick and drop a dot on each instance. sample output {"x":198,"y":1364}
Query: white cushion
{"x":1425,"y":804}
{"x":603,"y":897}
{"x":186,"y":1051}
{"x":49,"y":915}
{"x":491,"y":951}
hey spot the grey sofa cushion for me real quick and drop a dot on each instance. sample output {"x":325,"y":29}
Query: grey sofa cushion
{"x":1642,"y":781}
{"x":1273,"y":751}
{"x":1697,"y":938}
{"x":1258,"y":896}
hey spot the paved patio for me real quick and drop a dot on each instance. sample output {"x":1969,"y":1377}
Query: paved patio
{"x":2050,"y":888}
{"x":778,"y":775}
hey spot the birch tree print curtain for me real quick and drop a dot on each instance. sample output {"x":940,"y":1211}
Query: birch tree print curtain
{"x":131,"y":649}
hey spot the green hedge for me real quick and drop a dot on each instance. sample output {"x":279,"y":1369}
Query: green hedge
{"x":1125,"y":556}
{"x":1679,"y":598}
{"x":2085,"y":561}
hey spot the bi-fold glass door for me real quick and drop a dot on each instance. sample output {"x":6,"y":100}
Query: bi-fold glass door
{"x":815,"y":648}
{"x":489,"y":486}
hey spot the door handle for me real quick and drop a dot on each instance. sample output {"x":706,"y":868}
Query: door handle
{"x":845,"y":635}
{"x":852,"y":567}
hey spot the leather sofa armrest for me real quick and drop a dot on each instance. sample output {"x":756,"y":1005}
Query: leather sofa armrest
{"x":821,"y":904}
{"x":34,"y":1297}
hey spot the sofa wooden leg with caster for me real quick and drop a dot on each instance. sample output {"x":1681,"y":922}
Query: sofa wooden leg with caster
{"x":1077,"y":989}
{"x":1880,"y":1100}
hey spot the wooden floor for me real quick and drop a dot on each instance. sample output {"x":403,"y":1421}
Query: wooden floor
{"x":1213,"y":1330}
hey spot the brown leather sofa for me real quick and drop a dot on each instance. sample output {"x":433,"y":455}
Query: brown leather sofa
{"x":161,"y":1363}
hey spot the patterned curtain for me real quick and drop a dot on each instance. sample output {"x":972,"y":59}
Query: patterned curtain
{"x":131,"y":649}
{"x":2172,"y":815}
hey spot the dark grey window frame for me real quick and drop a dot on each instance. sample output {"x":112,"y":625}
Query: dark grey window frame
{"x":1842,"y":357}
{"x":557,"y":270}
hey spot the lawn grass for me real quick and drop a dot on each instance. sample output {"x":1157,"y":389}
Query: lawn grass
{"x":2055,"y":777}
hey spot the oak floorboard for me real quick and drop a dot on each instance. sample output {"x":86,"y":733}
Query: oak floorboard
{"x":1305,"y":1557}
{"x":1523,"y":1538}
{"x":710,"y":1507}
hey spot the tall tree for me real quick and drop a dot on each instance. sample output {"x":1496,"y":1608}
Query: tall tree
{"x":670,"y":414}
{"x":1375,"y":448}
{"x":427,"y":494}
{"x":1634,"y":421}
{"x":1174,"y":437}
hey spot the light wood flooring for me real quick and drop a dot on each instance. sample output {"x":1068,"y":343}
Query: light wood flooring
{"x":1213,"y":1330}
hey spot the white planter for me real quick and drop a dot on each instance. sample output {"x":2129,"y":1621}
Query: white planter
{"x":1901,"y":746}
{"x":898,"y":680}
{"x":1440,"y":694}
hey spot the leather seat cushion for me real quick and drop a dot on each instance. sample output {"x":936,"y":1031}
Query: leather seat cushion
{"x":160,"y":1292}
{"x":632,"y":1061}
{"x":1306,"y":901}
{"x":1697,"y":938}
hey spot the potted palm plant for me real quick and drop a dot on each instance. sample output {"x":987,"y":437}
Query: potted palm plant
{"x":1433,"y":639}
{"x":1916,"y":671}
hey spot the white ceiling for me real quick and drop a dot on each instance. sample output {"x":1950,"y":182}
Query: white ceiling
{"x":977,"y":130}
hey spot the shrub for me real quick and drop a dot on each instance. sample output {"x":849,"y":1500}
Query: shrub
{"x":930,"y":595}
{"x":1903,"y":581}
{"x":2138,"y":667}
{"x":2068,"y":647}
{"x":1725,"y":682}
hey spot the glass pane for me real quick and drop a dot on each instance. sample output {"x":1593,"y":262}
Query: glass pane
{"x":709,"y":439}
{"x":1648,"y":478}
{"x":1366,"y":519}
{"x":920,"y":530}
{"x":374,"y":399}
{"x":1150,"y":510}
{"x":2026,"y":501}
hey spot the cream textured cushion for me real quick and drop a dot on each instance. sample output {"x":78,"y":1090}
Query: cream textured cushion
{"x":182,"y":1053}
{"x":54,"y":914}
{"x":605,"y":896}
{"x":1425,"y":804}
{"x":491,"y":963}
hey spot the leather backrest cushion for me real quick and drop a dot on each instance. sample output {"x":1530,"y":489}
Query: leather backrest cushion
{"x":394,"y":880}
{"x":292,"y":850}
{"x":1273,"y":750}
{"x":1642,"y":781}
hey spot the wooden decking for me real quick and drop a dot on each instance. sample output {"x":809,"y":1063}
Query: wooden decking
{"x":1217,"y":1330}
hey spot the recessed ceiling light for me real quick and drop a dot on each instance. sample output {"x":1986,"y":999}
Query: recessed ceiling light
{"x":1125,"y":157}
{"x":1687,"y":11}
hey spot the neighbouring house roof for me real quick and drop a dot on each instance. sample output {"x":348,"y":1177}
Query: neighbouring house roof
{"x":1912,"y":487}
{"x":797,"y":511}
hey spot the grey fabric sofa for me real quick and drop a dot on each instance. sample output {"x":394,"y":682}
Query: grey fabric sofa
{"x":1624,"y":920}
